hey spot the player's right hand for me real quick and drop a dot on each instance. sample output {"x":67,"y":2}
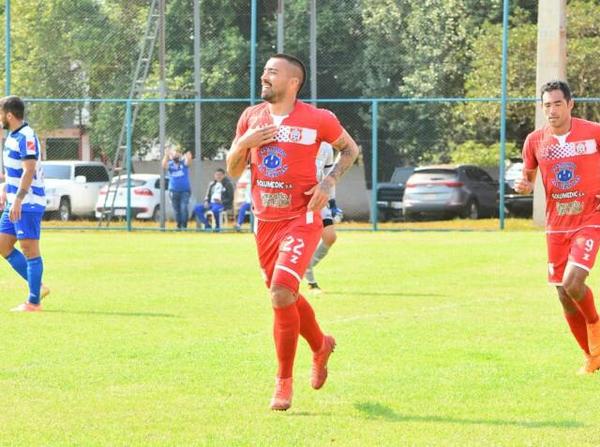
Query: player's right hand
{"x":258,"y":136}
{"x":523,"y":186}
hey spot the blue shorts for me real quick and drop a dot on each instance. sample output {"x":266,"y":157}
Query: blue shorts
{"x":28,"y":227}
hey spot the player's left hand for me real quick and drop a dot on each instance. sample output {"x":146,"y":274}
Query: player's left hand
{"x":320,"y":195}
{"x":15,"y":211}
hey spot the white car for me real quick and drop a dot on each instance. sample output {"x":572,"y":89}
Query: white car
{"x":72,"y":187}
{"x":145,"y":197}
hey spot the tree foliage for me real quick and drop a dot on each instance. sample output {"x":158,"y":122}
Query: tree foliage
{"x":366,"y":48}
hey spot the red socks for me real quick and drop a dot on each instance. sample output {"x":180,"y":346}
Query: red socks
{"x":586,"y":306}
{"x":290,"y":321}
{"x":578,"y":329}
{"x":309,"y":328}
{"x":285,"y":332}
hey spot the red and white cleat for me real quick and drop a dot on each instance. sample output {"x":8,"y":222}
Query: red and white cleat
{"x":27,"y":307}
{"x":319,"y":365}
{"x":282,"y":398}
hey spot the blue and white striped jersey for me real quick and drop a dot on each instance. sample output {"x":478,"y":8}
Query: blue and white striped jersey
{"x":325,"y":161}
{"x":22,"y":144}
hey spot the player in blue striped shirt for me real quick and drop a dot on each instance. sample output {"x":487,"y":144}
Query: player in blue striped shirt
{"x":24,"y":201}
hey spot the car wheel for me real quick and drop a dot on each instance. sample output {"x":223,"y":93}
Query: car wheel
{"x":64,"y":209}
{"x":471,"y":210}
{"x":156,"y":214}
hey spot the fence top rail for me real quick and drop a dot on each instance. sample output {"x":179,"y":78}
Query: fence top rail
{"x":413,"y":100}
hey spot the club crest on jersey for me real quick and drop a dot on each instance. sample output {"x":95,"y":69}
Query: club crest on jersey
{"x":564,"y":175}
{"x":295,"y":134}
{"x":272,"y":164}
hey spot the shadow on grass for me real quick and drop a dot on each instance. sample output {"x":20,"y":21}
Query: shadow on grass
{"x":306,"y":413}
{"x":375,"y":410}
{"x":337,"y":292}
{"x":118,"y":314}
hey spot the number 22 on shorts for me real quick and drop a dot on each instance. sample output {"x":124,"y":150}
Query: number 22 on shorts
{"x":293,"y":245}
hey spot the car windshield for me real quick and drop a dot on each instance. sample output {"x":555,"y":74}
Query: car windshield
{"x":433,"y":175}
{"x":400,"y":175}
{"x":514,"y":171}
{"x":58,"y":172}
{"x":122,"y":182}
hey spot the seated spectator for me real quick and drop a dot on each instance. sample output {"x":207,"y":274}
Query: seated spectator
{"x":219,"y":198}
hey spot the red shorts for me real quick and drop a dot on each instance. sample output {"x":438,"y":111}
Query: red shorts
{"x":285,"y":248}
{"x":578,"y":248}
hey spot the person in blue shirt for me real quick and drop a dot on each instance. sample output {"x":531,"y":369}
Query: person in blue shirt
{"x":178,"y":168}
{"x":24,"y":201}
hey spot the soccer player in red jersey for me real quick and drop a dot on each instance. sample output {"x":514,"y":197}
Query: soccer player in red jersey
{"x":280,"y":139}
{"x":566,"y":150}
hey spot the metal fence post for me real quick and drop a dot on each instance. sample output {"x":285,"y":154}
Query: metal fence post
{"x":374,"y":162}
{"x":128,"y":162}
{"x":253,"y":19}
{"x":503,"y":112}
{"x":7,"y":50}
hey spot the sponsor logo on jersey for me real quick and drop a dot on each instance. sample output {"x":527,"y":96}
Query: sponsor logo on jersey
{"x":272,"y":164}
{"x":564,"y":175}
{"x":567,"y":195}
{"x":273,"y":184}
{"x":569,"y":208}
{"x":275,"y":200}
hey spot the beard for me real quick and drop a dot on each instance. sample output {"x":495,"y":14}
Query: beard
{"x":269,"y":95}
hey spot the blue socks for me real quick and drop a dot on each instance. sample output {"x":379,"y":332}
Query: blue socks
{"x":35,"y":268}
{"x":18,"y":262}
{"x":30,"y":270}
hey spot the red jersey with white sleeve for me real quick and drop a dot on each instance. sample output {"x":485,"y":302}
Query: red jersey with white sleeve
{"x":282,"y":171}
{"x":570,"y":169}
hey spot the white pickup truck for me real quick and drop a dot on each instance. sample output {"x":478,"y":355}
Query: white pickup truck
{"x":72,"y":187}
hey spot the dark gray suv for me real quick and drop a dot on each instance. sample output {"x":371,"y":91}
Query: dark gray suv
{"x":450,"y":190}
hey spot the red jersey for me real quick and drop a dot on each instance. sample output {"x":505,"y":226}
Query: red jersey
{"x":570,"y":169}
{"x":284,"y":170}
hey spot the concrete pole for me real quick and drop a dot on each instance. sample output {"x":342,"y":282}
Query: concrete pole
{"x":313,"y":50}
{"x":280,"y":26}
{"x":551,"y":64}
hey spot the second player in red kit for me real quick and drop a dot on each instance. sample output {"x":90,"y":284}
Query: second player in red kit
{"x":280,"y":139}
{"x":567,"y":152}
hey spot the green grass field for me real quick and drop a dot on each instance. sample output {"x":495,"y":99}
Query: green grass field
{"x":165,"y":339}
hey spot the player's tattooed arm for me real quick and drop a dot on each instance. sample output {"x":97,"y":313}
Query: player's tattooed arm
{"x":349,"y":151}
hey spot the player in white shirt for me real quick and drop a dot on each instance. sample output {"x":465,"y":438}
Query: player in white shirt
{"x":329,"y":214}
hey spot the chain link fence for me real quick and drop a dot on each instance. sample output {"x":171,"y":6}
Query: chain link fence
{"x":415,"y":83}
